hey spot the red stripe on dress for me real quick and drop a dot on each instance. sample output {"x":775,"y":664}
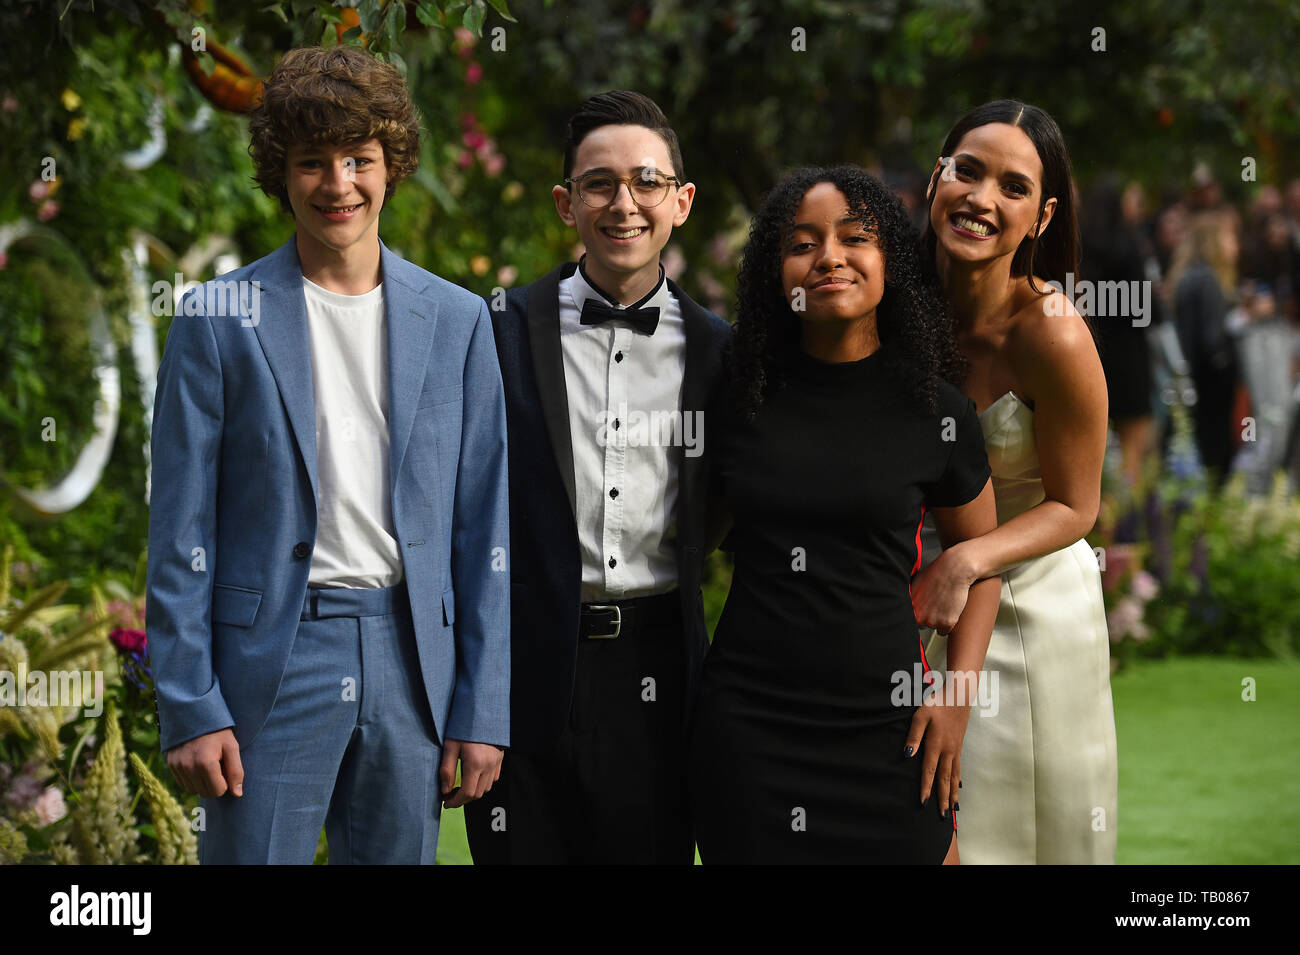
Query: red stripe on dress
{"x":917,"y":566}
{"x":925,"y":664}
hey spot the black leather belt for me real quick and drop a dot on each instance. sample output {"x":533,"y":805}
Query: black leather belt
{"x":605,"y":621}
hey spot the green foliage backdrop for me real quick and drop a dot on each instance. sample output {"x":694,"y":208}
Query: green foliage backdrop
{"x":752,"y":86}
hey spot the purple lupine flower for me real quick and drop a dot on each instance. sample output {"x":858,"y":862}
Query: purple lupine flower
{"x":134,"y":647}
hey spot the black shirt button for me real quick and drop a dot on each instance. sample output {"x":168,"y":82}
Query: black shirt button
{"x":613,"y":492}
{"x":613,"y":562}
{"x":618,"y":356}
{"x":301,"y":549}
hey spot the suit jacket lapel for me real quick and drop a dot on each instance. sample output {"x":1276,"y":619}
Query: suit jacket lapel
{"x":699,"y":339}
{"x":694,"y":392}
{"x":548,"y":367}
{"x":285,"y":339}
{"x":410,"y":319}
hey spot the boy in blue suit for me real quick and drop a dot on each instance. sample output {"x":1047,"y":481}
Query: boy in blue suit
{"x":328,"y":595}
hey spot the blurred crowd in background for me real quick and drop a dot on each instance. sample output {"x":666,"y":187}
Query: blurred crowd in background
{"x":1223,"y":340}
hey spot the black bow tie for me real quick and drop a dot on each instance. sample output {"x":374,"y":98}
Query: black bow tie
{"x":644,"y":320}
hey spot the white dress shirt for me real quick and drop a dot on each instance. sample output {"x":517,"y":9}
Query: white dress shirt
{"x":356,"y":542}
{"x":625,"y":397}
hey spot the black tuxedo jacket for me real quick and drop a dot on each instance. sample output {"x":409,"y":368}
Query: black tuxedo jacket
{"x":545,"y":563}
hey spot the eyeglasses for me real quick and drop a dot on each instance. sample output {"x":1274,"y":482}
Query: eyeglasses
{"x":598,"y":189}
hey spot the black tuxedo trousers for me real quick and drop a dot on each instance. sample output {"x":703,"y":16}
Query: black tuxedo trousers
{"x":611,"y":789}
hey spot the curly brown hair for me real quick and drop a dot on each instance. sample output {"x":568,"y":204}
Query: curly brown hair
{"x":332,"y":96}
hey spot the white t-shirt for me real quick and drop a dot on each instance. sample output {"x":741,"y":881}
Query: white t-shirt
{"x":356,"y":542}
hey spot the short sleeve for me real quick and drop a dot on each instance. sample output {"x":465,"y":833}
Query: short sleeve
{"x":967,"y":470}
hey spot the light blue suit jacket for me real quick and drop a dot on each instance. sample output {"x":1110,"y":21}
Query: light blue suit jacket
{"x":233,"y":512}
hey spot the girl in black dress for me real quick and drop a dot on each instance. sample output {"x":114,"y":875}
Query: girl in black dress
{"x":839,"y":432}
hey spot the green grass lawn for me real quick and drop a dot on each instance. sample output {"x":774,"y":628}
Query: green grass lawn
{"x":1204,"y":777}
{"x":453,"y":848}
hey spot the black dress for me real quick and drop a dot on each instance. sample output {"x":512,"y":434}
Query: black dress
{"x":1119,"y":256}
{"x":796,"y":747}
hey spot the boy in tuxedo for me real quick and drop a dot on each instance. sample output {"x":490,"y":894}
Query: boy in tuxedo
{"x":607,"y":368}
{"x":327,"y":591}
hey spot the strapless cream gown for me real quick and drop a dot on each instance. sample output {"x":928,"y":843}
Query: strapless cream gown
{"x":1040,"y":775}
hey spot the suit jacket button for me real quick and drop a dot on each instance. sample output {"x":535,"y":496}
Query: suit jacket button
{"x":301,"y":549}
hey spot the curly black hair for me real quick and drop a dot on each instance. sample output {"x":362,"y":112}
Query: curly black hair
{"x":915,"y":326}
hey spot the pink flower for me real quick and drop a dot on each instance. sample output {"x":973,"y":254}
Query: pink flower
{"x":1145,"y":586}
{"x":495,"y":164}
{"x":720,"y":249}
{"x":10,"y":104}
{"x":48,"y":210}
{"x":474,"y":139}
{"x":4,"y":260}
{"x":465,"y":159}
{"x":1125,"y":620}
{"x":50,"y":806}
{"x":674,"y":262}
{"x":129,"y":641}
{"x":473,"y":72}
{"x":24,"y":788}
{"x":37,"y":190}
{"x":125,"y":614}
{"x":464,"y":41}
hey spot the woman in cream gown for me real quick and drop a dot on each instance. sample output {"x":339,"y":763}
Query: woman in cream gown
{"x":1038,"y":769}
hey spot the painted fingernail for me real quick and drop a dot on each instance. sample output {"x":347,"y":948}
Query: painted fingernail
{"x":956,"y":807}
{"x":959,"y":784}
{"x":925,"y":801}
{"x":908,"y":751}
{"x":945,"y":814}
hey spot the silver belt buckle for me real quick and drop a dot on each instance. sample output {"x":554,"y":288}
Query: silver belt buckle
{"x":618,"y":621}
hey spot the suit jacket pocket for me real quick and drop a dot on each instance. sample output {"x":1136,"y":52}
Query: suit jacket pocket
{"x":448,"y":607}
{"x":236,"y":606}
{"x":440,"y":395}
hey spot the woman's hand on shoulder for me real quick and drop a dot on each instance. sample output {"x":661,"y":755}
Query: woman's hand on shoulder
{"x":939,"y":592}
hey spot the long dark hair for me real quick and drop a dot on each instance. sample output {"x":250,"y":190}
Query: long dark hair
{"x":915,"y":326}
{"x":1053,"y":253}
